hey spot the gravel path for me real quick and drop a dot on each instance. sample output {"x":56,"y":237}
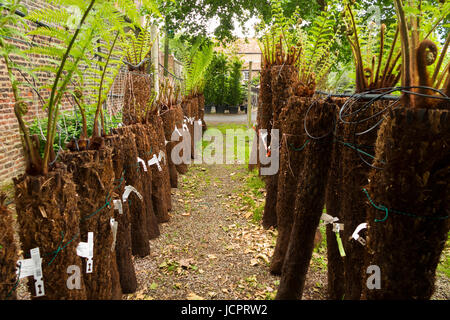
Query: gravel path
{"x":211,"y":249}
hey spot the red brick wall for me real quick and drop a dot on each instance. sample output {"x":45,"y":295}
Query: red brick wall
{"x":11,"y":156}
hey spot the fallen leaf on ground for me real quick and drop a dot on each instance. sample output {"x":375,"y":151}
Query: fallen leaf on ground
{"x":185,"y":263}
{"x":153,"y":286}
{"x":193,"y":296}
{"x":254,"y":262}
{"x":263,"y":257}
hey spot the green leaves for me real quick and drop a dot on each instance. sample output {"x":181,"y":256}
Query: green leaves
{"x":196,"y":64}
{"x":79,"y":31}
{"x":138,"y":47}
{"x":234,"y":88}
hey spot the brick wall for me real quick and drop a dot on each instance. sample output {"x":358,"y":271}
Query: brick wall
{"x":11,"y":155}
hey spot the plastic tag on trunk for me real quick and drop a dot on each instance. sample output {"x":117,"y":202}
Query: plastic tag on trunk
{"x":153,"y":161}
{"x":114,"y":225}
{"x":356,"y":235}
{"x":162,"y":156}
{"x":86,"y":250}
{"x":143,"y":163}
{"x":33,"y":267}
{"x":118,"y":206}
{"x":128,"y":190}
{"x":327,"y":219}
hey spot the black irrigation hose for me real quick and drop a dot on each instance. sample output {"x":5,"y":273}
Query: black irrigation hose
{"x":372,"y":96}
{"x":173,"y":76}
{"x":305,"y":120}
{"x":378,"y":97}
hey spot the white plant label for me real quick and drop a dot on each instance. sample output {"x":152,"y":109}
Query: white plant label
{"x":153,"y":161}
{"x":114,"y":225}
{"x":118,"y":206}
{"x":86,"y":250}
{"x":162,"y":156}
{"x":128,"y":190}
{"x":33,"y":267}
{"x":143,"y":163}
{"x":356,"y":235}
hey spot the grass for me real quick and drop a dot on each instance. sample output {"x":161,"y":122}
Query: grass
{"x":8,"y":189}
{"x":251,"y":193}
{"x":252,"y":188}
{"x":242,"y":134}
{"x":444,"y":264}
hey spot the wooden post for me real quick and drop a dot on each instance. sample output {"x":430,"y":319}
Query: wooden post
{"x":155,"y":57}
{"x":249,"y":95}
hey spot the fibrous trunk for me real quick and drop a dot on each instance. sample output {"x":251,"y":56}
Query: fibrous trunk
{"x":169,"y":122}
{"x":158,"y":194}
{"x":49,"y":217}
{"x":282,"y":79}
{"x":144,"y":148}
{"x":264,"y":116}
{"x":123,"y":245}
{"x":291,"y":159}
{"x":137,"y":207}
{"x":413,"y":191}
{"x":355,"y":151}
{"x":137,"y":97}
{"x":157,"y":124}
{"x":309,"y":202}
{"x":93,"y":175}
{"x":333,"y":198}
{"x":179,"y":117}
{"x":201,"y":111}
